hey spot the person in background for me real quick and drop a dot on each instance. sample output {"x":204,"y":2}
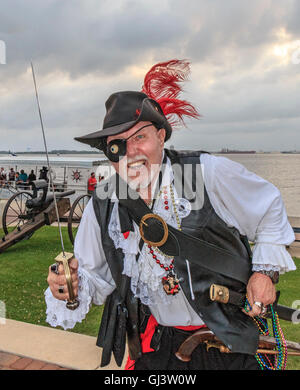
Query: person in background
{"x":11,"y":175}
{"x":92,"y":183}
{"x":23,"y":179}
{"x":2,"y":176}
{"x":43,"y":174}
{"x":31,"y":176}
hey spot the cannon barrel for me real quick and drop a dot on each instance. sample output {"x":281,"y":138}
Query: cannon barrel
{"x":39,"y":184}
{"x":64,"y":194}
{"x":40,"y":202}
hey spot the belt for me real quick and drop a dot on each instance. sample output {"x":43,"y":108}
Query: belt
{"x":225,"y":295}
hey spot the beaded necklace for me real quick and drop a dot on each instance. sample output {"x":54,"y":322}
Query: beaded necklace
{"x":170,"y":282}
{"x":280,"y":359}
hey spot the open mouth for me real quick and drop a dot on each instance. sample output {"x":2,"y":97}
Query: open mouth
{"x":136,"y":165}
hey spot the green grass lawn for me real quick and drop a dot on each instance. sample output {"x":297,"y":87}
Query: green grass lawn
{"x":23,"y":280}
{"x":289,"y":292}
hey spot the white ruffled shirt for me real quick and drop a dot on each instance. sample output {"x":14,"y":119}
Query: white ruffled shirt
{"x":239,"y":197}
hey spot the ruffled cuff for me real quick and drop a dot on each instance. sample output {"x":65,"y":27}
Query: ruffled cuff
{"x":272,"y":257}
{"x":58,"y":315}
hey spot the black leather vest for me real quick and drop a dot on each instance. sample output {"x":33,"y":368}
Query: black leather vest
{"x":121,"y":312}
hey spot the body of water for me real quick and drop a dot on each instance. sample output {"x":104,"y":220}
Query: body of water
{"x":283,"y":170}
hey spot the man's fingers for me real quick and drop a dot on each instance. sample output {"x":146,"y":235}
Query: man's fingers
{"x":61,"y":269}
{"x":260,"y":292}
{"x":62,"y":297}
{"x":73,"y":265}
{"x":255,"y":310}
{"x":55,"y":289}
{"x":57,"y":281}
{"x":75,"y":287}
{"x":65,"y":286}
{"x":61,"y":279}
{"x":256,"y":307}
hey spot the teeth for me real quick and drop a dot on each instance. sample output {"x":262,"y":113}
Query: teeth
{"x":135,"y":164}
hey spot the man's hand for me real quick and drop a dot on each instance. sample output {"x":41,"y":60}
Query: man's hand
{"x":260,"y":288}
{"x":58,"y":281}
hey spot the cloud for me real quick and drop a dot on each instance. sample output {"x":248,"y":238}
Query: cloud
{"x":86,"y":37}
{"x":85,"y":49}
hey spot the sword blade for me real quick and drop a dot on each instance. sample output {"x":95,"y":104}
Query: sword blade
{"x":64,"y":258}
{"x":48,"y":161}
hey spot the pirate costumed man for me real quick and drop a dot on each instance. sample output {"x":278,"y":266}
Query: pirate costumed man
{"x":152,"y":258}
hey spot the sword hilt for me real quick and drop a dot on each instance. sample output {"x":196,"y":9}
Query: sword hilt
{"x":64,"y":258}
{"x":224,"y":295}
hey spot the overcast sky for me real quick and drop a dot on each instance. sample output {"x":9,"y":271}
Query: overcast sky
{"x":245,"y":68}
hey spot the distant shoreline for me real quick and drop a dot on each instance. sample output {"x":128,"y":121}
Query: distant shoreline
{"x":93,"y":152}
{"x":54,"y":152}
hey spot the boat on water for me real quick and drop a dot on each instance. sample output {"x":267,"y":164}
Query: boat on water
{"x":68,"y":173}
{"x":229,"y":151}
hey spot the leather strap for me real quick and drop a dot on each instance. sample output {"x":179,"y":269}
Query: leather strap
{"x":181,"y":244}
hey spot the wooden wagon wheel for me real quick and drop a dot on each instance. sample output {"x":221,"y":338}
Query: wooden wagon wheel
{"x":75,"y":215}
{"x":15,"y":212}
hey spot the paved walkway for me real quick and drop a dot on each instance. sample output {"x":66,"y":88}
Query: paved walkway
{"x":25,"y":346}
{"x":9,"y":361}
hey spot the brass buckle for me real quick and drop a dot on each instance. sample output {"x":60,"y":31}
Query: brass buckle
{"x":219,"y":293}
{"x":165,"y":226}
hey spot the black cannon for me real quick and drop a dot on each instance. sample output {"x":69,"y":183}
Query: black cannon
{"x":25,"y":212}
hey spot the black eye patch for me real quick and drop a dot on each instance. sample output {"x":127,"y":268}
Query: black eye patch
{"x":116,"y":149}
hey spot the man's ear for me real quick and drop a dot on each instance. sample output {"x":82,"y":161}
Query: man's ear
{"x":162,"y":135}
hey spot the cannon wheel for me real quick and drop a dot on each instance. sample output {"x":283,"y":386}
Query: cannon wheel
{"x":13,"y":211}
{"x":75,"y":215}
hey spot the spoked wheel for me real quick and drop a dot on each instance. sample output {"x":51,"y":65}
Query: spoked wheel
{"x":75,"y":215}
{"x":15,"y":212}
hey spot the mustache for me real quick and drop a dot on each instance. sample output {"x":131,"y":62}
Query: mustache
{"x":131,"y":160}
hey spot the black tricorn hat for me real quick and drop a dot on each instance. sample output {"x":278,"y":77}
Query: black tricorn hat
{"x":124,"y":110}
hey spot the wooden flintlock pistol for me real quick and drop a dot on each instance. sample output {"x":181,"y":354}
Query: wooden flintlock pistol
{"x":266,"y":345}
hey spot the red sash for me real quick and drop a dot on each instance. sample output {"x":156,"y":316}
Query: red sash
{"x":146,"y":338}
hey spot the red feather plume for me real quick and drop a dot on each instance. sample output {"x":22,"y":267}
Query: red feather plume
{"x":162,"y":83}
